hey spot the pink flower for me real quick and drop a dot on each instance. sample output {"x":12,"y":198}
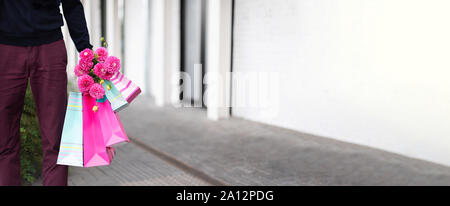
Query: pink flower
{"x":87,"y":55}
{"x":85,"y":83}
{"x":100,"y":70}
{"x":102,"y":54}
{"x":79,"y":72}
{"x":97,"y":91}
{"x":86,"y":65}
{"x":112,"y":64}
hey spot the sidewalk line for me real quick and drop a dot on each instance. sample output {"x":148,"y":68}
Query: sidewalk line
{"x":178,"y":164}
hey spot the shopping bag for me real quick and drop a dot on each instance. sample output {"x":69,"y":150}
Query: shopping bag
{"x":120,"y":122}
{"x":95,"y":151}
{"x":71,"y":148}
{"x":114,"y":96}
{"x":127,"y":88}
{"x":112,"y":129}
{"x":111,"y":153}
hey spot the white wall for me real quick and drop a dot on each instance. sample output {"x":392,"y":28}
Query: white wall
{"x":368,"y":72}
{"x":135,"y":44}
{"x":93,"y":20}
{"x":163,"y":56}
{"x":218,"y":58}
{"x":72,"y":53}
{"x":114,"y":18}
{"x":193,"y":36}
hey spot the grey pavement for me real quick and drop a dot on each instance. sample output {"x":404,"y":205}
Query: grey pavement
{"x":180,"y":146}
{"x":240,"y":152}
{"x":132,"y":166}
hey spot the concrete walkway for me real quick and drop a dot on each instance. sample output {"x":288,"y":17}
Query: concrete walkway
{"x":133,"y":167}
{"x":239,"y":152}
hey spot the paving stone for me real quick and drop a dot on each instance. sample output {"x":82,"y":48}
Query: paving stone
{"x":240,"y":152}
{"x":132,"y":167}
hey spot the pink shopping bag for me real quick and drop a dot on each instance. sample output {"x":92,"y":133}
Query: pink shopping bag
{"x":95,"y":151}
{"x":127,"y":88}
{"x":110,"y":125}
{"x":111,"y":153}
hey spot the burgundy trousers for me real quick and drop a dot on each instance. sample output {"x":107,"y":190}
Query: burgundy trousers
{"x":45,"y":68}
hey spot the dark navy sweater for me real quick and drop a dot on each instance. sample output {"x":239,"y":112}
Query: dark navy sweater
{"x":38,"y":22}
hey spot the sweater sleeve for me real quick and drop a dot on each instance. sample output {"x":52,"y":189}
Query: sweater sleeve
{"x":76,"y":21}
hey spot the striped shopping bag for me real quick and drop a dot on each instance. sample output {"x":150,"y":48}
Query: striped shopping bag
{"x":114,"y":96}
{"x":126,"y":87}
{"x":71,"y":148}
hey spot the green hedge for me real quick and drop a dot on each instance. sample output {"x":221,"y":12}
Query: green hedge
{"x":31,"y":146}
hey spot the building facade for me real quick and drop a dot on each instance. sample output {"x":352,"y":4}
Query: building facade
{"x":373,"y":73}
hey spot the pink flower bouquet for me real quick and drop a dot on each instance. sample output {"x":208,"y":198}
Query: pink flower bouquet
{"x":93,"y":69}
{"x":92,"y":121}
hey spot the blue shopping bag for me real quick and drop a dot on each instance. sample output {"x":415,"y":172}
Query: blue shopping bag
{"x":71,"y":148}
{"x":114,"y":96}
